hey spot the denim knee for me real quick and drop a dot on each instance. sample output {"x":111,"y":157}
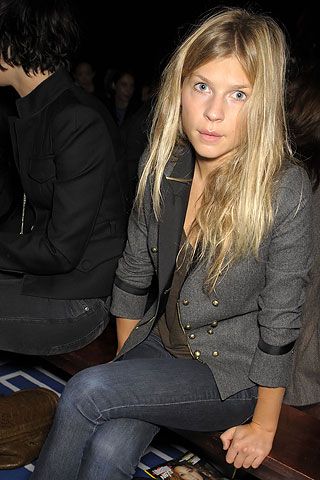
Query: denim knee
{"x":106,"y":447}
{"x":79,"y":394}
{"x":109,"y":452}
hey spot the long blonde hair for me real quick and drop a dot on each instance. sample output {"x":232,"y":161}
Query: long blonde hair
{"x":237,"y":203}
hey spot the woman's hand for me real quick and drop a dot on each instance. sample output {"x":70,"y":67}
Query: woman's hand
{"x":247,"y":445}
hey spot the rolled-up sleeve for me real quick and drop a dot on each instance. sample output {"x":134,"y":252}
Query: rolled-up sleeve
{"x":135,"y":269}
{"x":287,"y":268}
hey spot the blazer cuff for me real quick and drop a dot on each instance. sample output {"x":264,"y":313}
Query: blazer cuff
{"x":274,"y":349}
{"x":128,"y":305}
{"x":126,"y":287}
{"x":271,"y":369}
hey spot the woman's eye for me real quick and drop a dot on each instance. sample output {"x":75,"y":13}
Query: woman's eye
{"x":201,"y":87}
{"x":238,"y":95}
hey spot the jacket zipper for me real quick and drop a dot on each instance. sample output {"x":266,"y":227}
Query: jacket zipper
{"x":23,"y":213}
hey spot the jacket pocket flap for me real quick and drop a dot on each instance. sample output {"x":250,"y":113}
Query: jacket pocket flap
{"x":42,"y":168}
{"x":100,"y":252}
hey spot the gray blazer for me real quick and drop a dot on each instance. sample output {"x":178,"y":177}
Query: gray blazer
{"x":245,"y":330}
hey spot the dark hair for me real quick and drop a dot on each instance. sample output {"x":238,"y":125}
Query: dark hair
{"x":304,"y":120}
{"x":38,"y":35}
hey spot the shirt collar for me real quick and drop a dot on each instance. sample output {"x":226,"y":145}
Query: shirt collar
{"x":44,"y":94}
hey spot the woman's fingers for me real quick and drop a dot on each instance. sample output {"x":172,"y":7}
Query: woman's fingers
{"x":226,"y":437}
{"x":234,"y":451}
{"x":247,"y":446}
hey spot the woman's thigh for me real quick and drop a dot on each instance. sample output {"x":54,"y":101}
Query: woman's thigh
{"x":151,"y":385}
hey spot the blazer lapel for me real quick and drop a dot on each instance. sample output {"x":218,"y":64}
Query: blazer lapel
{"x":175,"y":193}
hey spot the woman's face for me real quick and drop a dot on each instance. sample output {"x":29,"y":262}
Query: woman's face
{"x":187,"y":473}
{"x":213,"y":99}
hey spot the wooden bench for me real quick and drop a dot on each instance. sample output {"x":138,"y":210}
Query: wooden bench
{"x":296,"y":451}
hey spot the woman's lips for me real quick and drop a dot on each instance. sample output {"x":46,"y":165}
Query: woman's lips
{"x":212,"y":137}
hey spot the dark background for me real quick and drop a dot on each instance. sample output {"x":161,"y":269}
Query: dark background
{"x":141,"y":36}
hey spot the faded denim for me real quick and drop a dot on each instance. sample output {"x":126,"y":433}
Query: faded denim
{"x":109,"y":414}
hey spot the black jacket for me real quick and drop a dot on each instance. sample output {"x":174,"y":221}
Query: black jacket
{"x":74,"y":221}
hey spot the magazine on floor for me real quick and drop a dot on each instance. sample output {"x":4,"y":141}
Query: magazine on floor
{"x":187,"y":467}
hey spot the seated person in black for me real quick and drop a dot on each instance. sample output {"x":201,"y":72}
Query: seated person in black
{"x":57,"y":268}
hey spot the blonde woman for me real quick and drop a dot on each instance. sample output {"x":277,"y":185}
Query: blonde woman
{"x":209,"y":290}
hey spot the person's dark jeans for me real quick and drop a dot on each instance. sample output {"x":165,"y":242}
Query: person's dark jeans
{"x":46,"y":326}
{"x":108,"y":414}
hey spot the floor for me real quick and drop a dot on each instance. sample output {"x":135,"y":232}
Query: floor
{"x":16,"y":375}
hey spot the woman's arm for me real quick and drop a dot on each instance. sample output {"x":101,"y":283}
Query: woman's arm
{"x":280,"y":305}
{"x":249,"y":444}
{"x":134,"y":273}
{"x":288,"y":261}
{"x":124,"y":328}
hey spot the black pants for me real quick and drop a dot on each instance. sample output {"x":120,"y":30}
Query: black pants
{"x":47,"y":326}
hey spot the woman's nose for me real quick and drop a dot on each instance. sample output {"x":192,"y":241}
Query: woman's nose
{"x":214,"y":108}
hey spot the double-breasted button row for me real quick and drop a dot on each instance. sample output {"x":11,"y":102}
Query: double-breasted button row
{"x":154,"y":249}
{"x":197,"y":354}
{"x":187,"y":326}
{"x":186,"y":302}
{"x":192,"y":336}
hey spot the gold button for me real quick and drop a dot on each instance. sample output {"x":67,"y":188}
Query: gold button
{"x":215,"y":353}
{"x":154,"y":249}
{"x":215,"y":303}
{"x":210,"y":331}
{"x":137,"y":327}
{"x":187,"y":327}
{"x":192,"y":336}
{"x":197,"y":353}
{"x":214,"y":323}
{"x":185,"y":302}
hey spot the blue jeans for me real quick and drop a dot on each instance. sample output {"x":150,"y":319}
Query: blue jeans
{"x":109,"y":414}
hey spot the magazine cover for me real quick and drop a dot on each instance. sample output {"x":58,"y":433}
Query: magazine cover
{"x":188,"y":467}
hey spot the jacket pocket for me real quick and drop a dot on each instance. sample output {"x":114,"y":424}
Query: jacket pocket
{"x":42,"y":168}
{"x":101,"y":251}
{"x":86,"y":306}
